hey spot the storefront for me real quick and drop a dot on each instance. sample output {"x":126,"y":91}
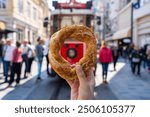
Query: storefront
{"x":5,"y":31}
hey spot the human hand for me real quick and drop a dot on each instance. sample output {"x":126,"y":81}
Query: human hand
{"x":83,"y":87}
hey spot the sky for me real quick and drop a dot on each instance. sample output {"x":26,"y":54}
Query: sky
{"x":50,"y":2}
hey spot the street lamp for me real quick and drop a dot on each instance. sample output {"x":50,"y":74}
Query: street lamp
{"x":135,"y":5}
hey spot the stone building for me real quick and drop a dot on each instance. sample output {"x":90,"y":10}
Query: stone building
{"x":26,"y":17}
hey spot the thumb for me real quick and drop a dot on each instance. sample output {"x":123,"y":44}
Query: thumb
{"x":80,"y":74}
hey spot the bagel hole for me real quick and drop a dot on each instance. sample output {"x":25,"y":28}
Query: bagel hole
{"x":73,"y":51}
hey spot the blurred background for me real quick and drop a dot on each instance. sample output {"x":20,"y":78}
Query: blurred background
{"x":121,"y":23}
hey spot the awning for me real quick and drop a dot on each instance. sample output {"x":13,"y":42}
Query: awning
{"x":11,"y":30}
{"x":2,"y":26}
{"x":124,"y":33}
{"x":8,"y":30}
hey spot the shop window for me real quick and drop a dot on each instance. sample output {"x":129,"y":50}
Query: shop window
{"x":2,"y":4}
{"x":20,"y":35}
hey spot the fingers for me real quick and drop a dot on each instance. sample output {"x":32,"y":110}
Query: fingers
{"x":80,"y":74}
{"x":90,"y":74}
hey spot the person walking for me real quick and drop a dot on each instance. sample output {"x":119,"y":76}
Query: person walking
{"x":31,"y":57}
{"x":136,"y":58}
{"x":144,"y":57}
{"x":16,"y":64}
{"x":39,"y":56}
{"x":25,"y":48}
{"x":105,"y":57}
{"x":46,"y":50}
{"x":148,"y":59}
{"x":8,"y":58}
{"x":2,"y":44}
{"x":115,"y":55}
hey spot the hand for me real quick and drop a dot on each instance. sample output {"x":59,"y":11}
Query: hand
{"x":83,"y":87}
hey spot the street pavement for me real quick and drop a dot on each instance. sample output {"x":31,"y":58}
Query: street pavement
{"x":122,"y":85}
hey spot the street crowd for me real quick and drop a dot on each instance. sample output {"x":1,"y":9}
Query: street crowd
{"x":12,"y":57}
{"x":132,"y":53}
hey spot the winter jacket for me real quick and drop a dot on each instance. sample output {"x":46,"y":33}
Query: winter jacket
{"x":105,"y":55}
{"x":136,"y":56}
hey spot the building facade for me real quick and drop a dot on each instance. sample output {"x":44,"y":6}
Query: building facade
{"x":141,"y":34}
{"x":26,"y":16}
{"x":120,"y":18}
{"x":101,"y":12}
{"x":121,"y":22}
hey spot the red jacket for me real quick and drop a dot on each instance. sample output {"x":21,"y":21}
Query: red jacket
{"x":105,"y":55}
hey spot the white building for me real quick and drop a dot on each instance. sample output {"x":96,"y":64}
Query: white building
{"x":142,"y":24}
{"x":25,"y":16}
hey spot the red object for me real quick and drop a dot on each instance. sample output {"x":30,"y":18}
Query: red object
{"x":72,"y":4}
{"x":17,"y":55}
{"x":149,"y":69}
{"x":72,"y":51}
{"x":105,"y":55}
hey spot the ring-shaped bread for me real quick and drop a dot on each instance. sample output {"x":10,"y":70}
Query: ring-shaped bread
{"x":80,"y":33}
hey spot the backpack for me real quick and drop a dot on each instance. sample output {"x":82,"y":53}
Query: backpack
{"x":136,"y":56}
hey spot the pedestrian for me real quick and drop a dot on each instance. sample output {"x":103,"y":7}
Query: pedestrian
{"x":1,"y":53}
{"x":136,"y":58}
{"x":4,"y":51}
{"x":120,"y":49}
{"x":46,"y":50}
{"x":130,"y":49}
{"x":2,"y":44}
{"x":16,"y":64}
{"x":105,"y":57}
{"x":148,"y":59}
{"x":39,"y":56}
{"x":51,"y":73}
{"x":8,"y":58}
{"x":115,"y":55}
{"x":126,"y":53}
{"x":25,"y":48}
{"x":144,"y":57}
{"x":31,"y":57}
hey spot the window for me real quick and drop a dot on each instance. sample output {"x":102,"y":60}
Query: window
{"x":2,"y":4}
{"x":20,"y":6}
{"x":20,"y":35}
{"x":28,"y":9}
{"x":34,"y":13}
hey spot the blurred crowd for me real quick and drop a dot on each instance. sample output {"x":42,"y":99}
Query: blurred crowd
{"x":12,"y":58}
{"x":136,"y":56}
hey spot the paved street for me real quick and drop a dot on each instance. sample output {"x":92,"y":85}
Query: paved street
{"x":123,"y":85}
